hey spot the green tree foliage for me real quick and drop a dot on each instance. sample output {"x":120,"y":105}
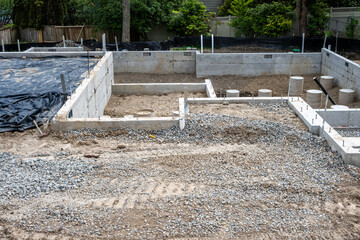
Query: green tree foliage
{"x":318,"y":20}
{"x":265,"y":20}
{"x":352,"y":27}
{"x":5,"y":11}
{"x":343,"y":3}
{"x":191,"y":19}
{"x":223,"y":10}
{"x":107,"y":14}
{"x":36,"y":13}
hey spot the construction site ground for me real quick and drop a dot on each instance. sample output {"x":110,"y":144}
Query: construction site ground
{"x":243,"y":171}
{"x":248,"y":86}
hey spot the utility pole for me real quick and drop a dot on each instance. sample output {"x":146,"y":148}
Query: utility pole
{"x":126,"y":21}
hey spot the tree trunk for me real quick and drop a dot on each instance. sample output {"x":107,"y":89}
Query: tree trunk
{"x":126,"y":21}
{"x":301,"y":12}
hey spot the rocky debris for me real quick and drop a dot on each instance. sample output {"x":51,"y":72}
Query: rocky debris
{"x":349,"y":132}
{"x":68,"y":43}
{"x":30,"y":177}
{"x":222,"y":177}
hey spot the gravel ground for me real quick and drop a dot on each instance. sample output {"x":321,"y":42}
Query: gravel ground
{"x":223,"y":177}
{"x":349,"y":133}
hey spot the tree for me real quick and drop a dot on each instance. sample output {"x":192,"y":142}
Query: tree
{"x":318,"y":19}
{"x":191,"y":19}
{"x":265,"y":20}
{"x":36,"y":13}
{"x":126,"y":21}
{"x":5,"y":12}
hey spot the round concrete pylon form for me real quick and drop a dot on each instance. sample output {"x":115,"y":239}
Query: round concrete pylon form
{"x":232,"y":93}
{"x":327,"y":82}
{"x":264,"y":93}
{"x":339,"y":107}
{"x":296,"y":86}
{"x":346,"y":96}
{"x":313,"y":98}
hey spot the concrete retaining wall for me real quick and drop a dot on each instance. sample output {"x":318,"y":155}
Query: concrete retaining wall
{"x":346,"y":73}
{"x":341,"y":118}
{"x":91,"y":97}
{"x":155,"y":62}
{"x":55,"y":49}
{"x":256,"y":64}
{"x":49,"y":54}
{"x":157,"y":88}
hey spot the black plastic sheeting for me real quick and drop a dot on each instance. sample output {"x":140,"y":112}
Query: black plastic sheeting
{"x":286,"y":43}
{"x":31,"y":89}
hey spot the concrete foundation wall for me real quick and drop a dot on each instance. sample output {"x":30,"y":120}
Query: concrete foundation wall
{"x":157,"y":88}
{"x":346,"y":73}
{"x":49,"y":54}
{"x":91,"y":97}
{"x":256,"y":64}
{"x":341,"y":118}
{"x":55,"y":49}
{"x":155,"y":62}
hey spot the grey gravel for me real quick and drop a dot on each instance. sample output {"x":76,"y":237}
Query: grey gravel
{"x":28,"y":178}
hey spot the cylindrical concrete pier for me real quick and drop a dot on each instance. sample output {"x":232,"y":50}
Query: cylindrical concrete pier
{"x":232,"y":93}
{"x":313,"y":98}
{"x":327,"y":82}
{"x":296,"y":85}
{"x":339,"y":107}
{"x":264,"y":93}
{"x":346,"y":96}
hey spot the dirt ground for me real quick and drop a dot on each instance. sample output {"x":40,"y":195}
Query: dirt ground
{"x":248,"y":86}
{"x":162,"y":105}
{"x":158,"y":189}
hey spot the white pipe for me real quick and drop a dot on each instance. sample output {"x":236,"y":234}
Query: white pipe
{"x":212,"y":43}
{"x":337,"y":38}
{"x":81,"y":42}
{"x":64,"y":40}
{"x":324,"y":45}
{"x":3,"y":45}
{"x":104,"y":42}
{"x":329,"y":47}
{"x":116,"y":43}
{"x":202,"y":44}
{"x":303,"y":43}
{"x":18,"y":42}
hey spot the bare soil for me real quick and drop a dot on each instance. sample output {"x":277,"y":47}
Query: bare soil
{"x":248,"y":86}
{"x":161,"y":190}
{"x":162,"y":105}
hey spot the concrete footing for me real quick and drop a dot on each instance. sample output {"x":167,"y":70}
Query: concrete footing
{"x":264,"y":93}
{"x":232,"y":93}
{"x":296,"y":86}
{"x":327,"y":82}
{"x":313,"y":98}
{"x":346,"y":96}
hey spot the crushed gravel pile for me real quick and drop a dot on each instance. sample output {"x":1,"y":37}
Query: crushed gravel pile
{"x":28,"y":178}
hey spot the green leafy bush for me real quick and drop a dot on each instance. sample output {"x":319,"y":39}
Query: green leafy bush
{"x":265,"y":20}
{"x":318,"y":20}
{"x":191,"y":19}
{"x":351,"y":28}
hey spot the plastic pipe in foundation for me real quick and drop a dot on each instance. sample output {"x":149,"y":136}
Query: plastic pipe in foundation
{"x":212,"y":43}
{"x":3,"y":45}
{"x":18,"y":43}
{"x":64,"y":41}
{"x":202,"y":44}
{"x":303,"y":43}
{"x":104,"y":42}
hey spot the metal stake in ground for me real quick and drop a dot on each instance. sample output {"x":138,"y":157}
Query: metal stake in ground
{"x":63,"y":86}
{"x":18,"y":42}
{"x":116,"y":44}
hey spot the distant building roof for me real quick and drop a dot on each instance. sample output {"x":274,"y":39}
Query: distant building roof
{"x":212,"y":5}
